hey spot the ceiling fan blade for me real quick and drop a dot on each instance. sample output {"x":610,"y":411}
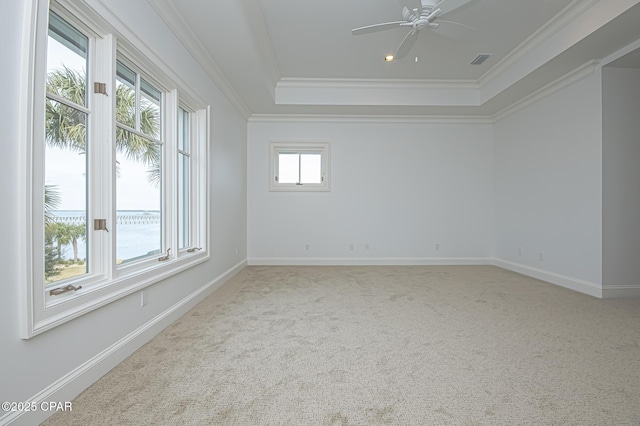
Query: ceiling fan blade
{"x":454,"y":30}
{"x":407,"y":44}
{"x":377,"y":27}
{"x":440,"y":21}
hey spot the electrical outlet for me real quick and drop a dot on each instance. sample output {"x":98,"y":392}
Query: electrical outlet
{"x":307,"y":246}
{"x":351,"y":247}
{"x":437,"y":246}
{"x":236,"y":251}
{"x":541,"y":257}
{"x":519,"y":251}
{"x":366,"y":247}
{"x":143,"y":300}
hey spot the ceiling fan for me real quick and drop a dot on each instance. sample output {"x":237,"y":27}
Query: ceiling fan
{"x":416,"y":20}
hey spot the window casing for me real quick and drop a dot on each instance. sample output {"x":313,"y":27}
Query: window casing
{"x":299,"y":166}
{"x":90,"y":160}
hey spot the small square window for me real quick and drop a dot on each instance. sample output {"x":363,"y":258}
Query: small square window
{"x":299,"y":166}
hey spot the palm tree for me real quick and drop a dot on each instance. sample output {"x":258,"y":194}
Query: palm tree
{"x":52,"y":200}
{"x":66,"y":126}
{"x":134,"y":146}
{"x":75,"y":232}
{"x":61,"y":233}
{"x":51,"y":203}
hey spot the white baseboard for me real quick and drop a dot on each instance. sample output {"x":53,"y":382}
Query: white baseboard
{"x":366,"y":261}
{"x":620,"y":291}
{"x":575,"y":284}
{"x":72,"y":384}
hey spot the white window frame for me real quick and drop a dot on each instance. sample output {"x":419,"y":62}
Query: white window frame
{"x":106,"y":281}
{"x":276,"y":147}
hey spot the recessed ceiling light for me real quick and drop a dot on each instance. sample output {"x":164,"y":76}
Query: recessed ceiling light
{"x":388,"y":58}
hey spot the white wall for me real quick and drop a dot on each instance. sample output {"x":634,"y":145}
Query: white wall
{"x":399,"y":187}
{"x":548,"y":187}
{"x":621,"y":177}
{"x":31,"y":366}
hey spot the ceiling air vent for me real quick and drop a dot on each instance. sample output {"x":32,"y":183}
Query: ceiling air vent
{"x":480,"y":59}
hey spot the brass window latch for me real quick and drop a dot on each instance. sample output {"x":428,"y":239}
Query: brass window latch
{"x":60,"y":290}
{"x":192,"y":249}
{"x":166,"y":256}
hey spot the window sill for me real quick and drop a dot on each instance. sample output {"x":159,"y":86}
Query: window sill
{"x":299,"y":188}
{"x":104,"y":292}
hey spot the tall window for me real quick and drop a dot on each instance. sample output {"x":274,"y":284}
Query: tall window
{"x":138,"y":166}
{"x":119,"y":166}
{"x":65,"y":176}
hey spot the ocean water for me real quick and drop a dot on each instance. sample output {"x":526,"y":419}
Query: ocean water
{"x":138,"y":233}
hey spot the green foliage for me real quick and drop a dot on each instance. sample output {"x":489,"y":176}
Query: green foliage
{"x":76,"y":232}
{"x":52,"y":200}
{"x":63,"y":234}
{"x":134,"y":146}
{"x":66,"y":126}
{"x":59,"y":232}
{"x":50,"y":261}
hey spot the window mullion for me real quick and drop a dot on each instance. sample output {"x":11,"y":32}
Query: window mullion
{"x":102,"y":159}
{"x":169,"y":179}
{"x":68,"y":103}
{"x":199,"y":178}
{"x":138,"y":133}
{"x":137,"y":103}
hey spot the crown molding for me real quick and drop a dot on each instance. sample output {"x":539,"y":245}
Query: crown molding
{"x":299,"y":91}
{"x":253,"y":11}
{"x":567,"y":79}
{"x":620,"y":53}
{"x":571,"y":77}
{"x":568,"y":15}
{"x":370,"y":92}
{"x":371,"y":83}
{"x":174,"y":20}
{"x":99,"y":18}
{"x":368,"y":119}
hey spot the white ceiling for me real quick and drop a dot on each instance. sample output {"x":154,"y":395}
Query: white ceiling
{"x":299,"y":57}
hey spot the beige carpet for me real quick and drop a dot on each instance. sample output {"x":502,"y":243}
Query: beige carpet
{"x":380,"y":345}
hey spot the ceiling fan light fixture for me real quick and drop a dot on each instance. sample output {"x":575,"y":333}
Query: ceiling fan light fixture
{"x":389,"y":58}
